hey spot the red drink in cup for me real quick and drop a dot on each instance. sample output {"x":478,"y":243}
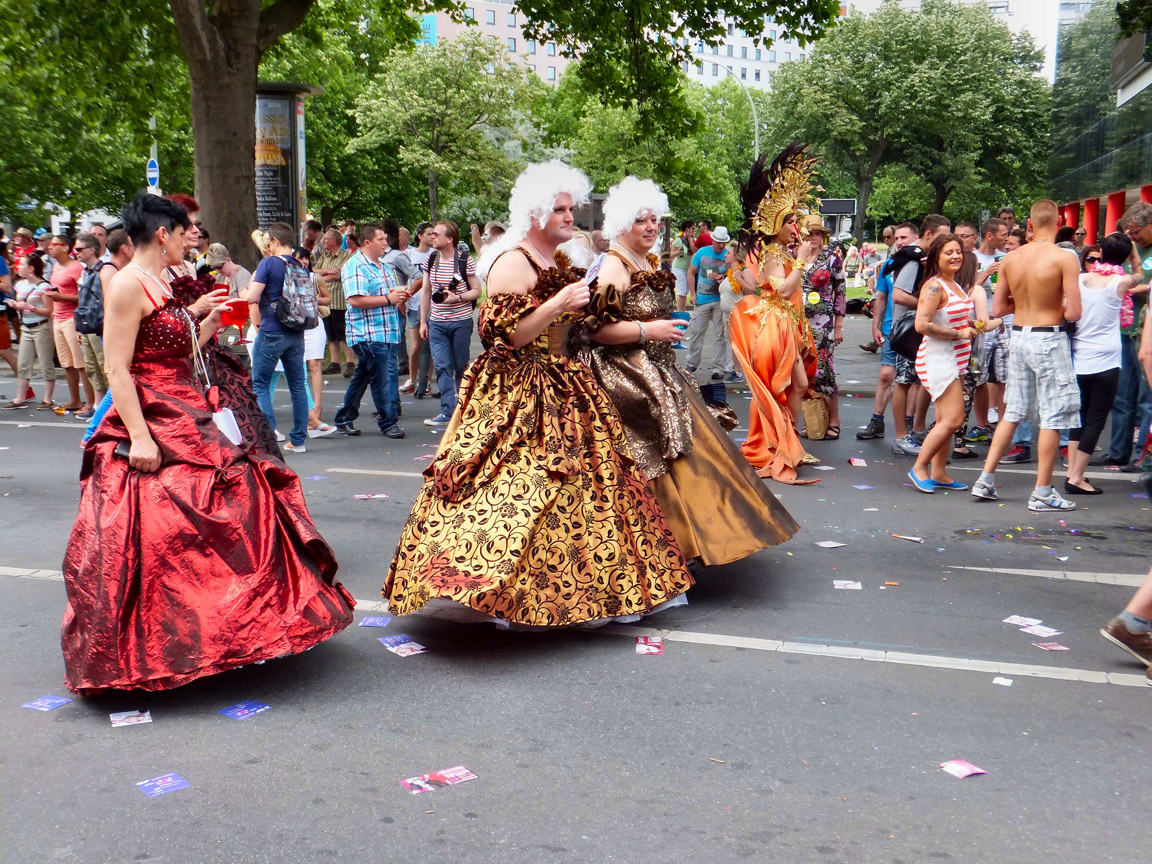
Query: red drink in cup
{"x":235,"y":313}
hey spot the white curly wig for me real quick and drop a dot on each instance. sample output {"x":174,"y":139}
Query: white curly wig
{"x":533,"y":197}
{"x":627,"y":201}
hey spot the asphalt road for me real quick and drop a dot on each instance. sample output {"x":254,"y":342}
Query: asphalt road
{"x":787,"y":720}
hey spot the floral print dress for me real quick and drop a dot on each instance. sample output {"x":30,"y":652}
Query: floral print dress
{"x":824,"y":301}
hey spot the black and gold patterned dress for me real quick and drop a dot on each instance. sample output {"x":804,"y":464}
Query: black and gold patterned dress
{"x":719,"y":510}
{"x":533,"y":511}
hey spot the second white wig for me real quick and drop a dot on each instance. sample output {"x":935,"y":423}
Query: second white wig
{"x":627,"y":201}
{"x":533,"y":196}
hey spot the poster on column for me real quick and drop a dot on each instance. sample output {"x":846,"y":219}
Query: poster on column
{"x":274,"y":175}
{"x":301,"y":168}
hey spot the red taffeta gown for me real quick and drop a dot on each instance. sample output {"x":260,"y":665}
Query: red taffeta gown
{"x":210,"y":563}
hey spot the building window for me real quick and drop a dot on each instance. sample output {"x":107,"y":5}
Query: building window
{"x":490,"y":16}
{"x":700,"y":46}
{"x":551,"y":73}
{"x":801,"y":56}
{"x":551,"y":49}
{"x":715,"y":49}
{"x":511,"y":43}
{"x":490,"y":68}
{"x":772,"y":35}
{"x":771,"y":56}
{"x":715,"y":70}
{"x":744,"y":53}
{"x":787,"y":56}
{"x":469,"y":13}
{"x":531,"y":44}
{"x":699,"y":68}
{"x":757,"y":53}
{"x":756,"y":75}
{"x":511,"y":19}
{"x":731,"y":28}
{"x":743,"y":73}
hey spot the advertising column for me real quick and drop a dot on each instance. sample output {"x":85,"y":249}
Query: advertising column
{"x":281,"y":172}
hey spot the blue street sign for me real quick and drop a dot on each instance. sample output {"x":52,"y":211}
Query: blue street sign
{"x":153,"y":172}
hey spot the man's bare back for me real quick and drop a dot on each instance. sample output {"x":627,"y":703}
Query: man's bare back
{"x":1040,"y":282}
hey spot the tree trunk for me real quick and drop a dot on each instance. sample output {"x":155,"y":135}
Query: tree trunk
{"x":223,"y":43}
{"x":224,"y":135}
{"x":943,"y":190}
{"x":433,"y":204}
{"x":865,"y":176}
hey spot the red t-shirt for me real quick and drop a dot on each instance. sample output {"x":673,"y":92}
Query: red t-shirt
{"x":66,"y":280}
{"x":704,"y":239}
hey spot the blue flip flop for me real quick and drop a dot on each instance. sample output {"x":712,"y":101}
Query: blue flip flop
{"x":926,"y":486}
{"x":955,"y":484}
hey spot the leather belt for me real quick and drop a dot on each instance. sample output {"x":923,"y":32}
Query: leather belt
{"x":1049,"y":329}
{"x":558,"y":339}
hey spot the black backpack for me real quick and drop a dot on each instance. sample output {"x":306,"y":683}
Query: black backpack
{"x":902,"y":257}
{"x":89,"y":314}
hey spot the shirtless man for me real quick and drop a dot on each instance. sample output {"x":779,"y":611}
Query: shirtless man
{"x":1040,"y":283}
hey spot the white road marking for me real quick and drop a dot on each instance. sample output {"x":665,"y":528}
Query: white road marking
{"x":374,"y":473}
{"x":840,"y":652}
{"x":79,"y":424}
{"x":1130,"y":580}
{"x":1091,"y":475}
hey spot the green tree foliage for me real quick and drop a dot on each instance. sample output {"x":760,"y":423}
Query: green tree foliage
{"x":448,"y":128}
{"x":946,"y":91}
{"x":632,"y":50}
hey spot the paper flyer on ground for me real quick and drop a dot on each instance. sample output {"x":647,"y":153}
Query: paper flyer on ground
{"x":437,"y":779}
{"x":130,"y":718}
{"x":375,"y":621}
{"x":649,"y":645}
{"x":402,"y":646}
{"x":961,"y":768}
{"x":46,"y":703}
{"x":162,"y":785}
{"x":245,"y":709}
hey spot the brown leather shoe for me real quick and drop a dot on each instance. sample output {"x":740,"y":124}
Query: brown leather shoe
{"x":1139,"y":645}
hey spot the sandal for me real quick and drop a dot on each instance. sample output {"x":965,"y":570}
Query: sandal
{"x":832,"y":433}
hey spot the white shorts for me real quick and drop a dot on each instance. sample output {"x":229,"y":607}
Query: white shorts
{"x":681,"y":282}
{"x":315,"y":340}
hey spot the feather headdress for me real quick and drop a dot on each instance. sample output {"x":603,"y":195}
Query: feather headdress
{"x":782,"y":189}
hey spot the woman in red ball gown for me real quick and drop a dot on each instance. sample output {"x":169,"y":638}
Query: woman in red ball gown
{"x":190,"y":555}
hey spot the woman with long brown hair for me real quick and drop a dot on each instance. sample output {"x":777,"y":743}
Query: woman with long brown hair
{"x":943,"y":316}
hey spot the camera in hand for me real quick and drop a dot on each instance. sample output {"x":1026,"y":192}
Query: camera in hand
{"x":441,"y":296}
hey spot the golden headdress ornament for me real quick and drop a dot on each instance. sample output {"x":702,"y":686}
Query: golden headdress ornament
{"x":785,"y":188}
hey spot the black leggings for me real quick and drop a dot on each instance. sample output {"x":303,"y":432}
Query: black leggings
{"x":1097,"y":393}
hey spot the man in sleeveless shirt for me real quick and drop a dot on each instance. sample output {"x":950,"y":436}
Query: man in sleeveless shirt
{"x":1038,"y":282}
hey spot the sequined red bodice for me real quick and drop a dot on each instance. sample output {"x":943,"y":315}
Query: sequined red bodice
{"x":164,"y":335}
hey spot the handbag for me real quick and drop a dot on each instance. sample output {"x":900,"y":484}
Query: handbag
{"x":903,"y":337}
{"x":224,"y":419}
{"x":815,"y":412}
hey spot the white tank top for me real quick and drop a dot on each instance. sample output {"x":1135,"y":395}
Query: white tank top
{"x":1096,"y":345}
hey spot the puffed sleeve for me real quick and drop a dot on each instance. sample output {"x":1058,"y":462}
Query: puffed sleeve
{"x":499,"y":316}
{"x":605,"y":306}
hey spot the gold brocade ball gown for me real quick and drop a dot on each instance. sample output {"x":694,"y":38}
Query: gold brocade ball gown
{"x":718,"y":508}
{"x":533,"y":512}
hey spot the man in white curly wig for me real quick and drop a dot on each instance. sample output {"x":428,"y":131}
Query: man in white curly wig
{"x":541,"y":208}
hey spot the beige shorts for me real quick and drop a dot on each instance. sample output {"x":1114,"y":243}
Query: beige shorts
{"x":67,"y":345}
{"x":92,"y":347}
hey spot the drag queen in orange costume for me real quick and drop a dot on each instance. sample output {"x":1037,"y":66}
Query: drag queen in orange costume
{"x":771,"y":337}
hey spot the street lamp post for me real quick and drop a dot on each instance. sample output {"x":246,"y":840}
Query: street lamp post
{"x":755,"y":117}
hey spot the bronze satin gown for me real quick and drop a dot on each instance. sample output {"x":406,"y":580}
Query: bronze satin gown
{"x":719,"y":510}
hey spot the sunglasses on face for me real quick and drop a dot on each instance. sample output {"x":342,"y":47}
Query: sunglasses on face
{"x":1092,"y":259}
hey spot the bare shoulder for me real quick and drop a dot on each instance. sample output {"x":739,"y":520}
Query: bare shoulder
{"x":614,"y":272}
{"x":126,"y":293}
{"x":511,"y":273}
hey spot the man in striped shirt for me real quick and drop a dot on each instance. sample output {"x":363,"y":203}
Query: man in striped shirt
{"x":446,"y":321}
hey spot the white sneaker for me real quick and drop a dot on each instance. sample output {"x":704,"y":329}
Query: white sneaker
{"x":289,"y":448}
{"x":1052,"y":501}
{"x":280,"y":439}
{"x":321,"y":430}
{"x":987,"y":491}
{"x":906,"y":446}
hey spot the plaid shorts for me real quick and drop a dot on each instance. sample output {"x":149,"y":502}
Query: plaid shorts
{"x":994,"y":357}
{"x":1042,"y":380}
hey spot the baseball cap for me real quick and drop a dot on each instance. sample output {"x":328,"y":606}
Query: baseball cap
{"x":720,"y":234}
{"x":216,"y":255}
{"x":40,"y":232}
